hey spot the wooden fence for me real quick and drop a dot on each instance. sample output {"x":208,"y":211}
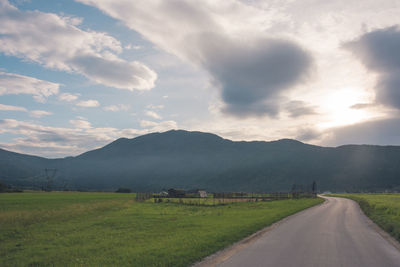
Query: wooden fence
{"x":140,"y":197}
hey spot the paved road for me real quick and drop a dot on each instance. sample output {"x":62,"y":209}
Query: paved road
{"x":335,"y":233}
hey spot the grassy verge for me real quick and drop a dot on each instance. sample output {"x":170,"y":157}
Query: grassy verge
{"x":111,"y":229}
{"x":383,"y":209}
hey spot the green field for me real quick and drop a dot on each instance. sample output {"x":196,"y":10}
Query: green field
{"x":112,"y":229}
{"x":383,"y":209}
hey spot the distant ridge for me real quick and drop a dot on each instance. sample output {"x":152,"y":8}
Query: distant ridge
{"x":186,"y":159}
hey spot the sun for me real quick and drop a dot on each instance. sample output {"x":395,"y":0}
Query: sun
{"x":339,"y":107}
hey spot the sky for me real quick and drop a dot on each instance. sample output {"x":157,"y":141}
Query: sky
{"x":77,"y":75}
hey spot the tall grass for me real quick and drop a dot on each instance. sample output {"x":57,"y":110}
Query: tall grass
{"x":383,"y":209}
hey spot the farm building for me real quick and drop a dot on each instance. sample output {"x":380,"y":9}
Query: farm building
{"x":203,"y":193}
{"x":196,"y":193}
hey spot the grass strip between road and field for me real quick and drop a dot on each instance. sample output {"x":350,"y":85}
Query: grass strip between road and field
{"x":383,"y":209}
{"x":96,"y":229}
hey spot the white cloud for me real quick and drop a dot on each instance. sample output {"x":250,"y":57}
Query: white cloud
{"x":146,"y":123}
{"x":60,"y":141}
{"x":68,"y":97}
{"x":155,"y":106}
{"x":158,"y":126}
{"x":134,"y":47}
{"x":115,"y":108}
{"x":88,"y":103}
{"x":57,"y":42}
{"x":153,"y":114}
{"x":320,"y":26}
{"x":33,"y":113}
{"x":12,"y":108}
{"x":47,"y":140}
{"x":251,"y":68}
{"x":39,"y":113}
{"x":81,"y":124}
{"x":11,"y":83}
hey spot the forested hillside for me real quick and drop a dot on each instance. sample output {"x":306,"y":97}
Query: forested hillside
{"x":203,"y":160}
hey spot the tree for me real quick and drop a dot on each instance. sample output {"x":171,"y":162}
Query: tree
{"x":314,"y":186}
{"x":3,"y":187}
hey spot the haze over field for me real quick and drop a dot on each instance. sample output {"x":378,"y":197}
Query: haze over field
{"x":77,"y":75}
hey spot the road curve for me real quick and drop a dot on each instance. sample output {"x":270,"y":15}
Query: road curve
{"x":335,"y":233}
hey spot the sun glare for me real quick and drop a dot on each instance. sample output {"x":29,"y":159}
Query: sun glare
{"x":339,"y":108}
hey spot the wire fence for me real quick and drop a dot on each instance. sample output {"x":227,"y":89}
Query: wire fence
{"x":214,"y":199}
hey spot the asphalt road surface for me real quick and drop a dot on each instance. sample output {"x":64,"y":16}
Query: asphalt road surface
{"x":335,"y":233}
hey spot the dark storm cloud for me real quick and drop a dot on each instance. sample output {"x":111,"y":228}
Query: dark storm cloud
{"x":378,"y":132}
{"x":299,"y":108}
{"x":388,"y":89}
{"x":250,"y":68}
{"x":270,"y":107}
{"x":307,"y":134}
{"x":114,"y":72}
{"x":253,"y":75}
{"x":379,"y":51}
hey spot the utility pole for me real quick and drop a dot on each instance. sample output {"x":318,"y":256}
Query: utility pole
{"x":314,"y":187}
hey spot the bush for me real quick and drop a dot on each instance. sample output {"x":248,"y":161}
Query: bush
{"x":3,"y":187}
{"x":8,"y":189}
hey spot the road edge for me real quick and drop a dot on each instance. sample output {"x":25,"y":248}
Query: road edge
{"x":385,"y":235}
{"x":224,"y":254}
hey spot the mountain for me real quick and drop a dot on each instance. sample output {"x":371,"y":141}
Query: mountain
{"x":202,"y":160}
